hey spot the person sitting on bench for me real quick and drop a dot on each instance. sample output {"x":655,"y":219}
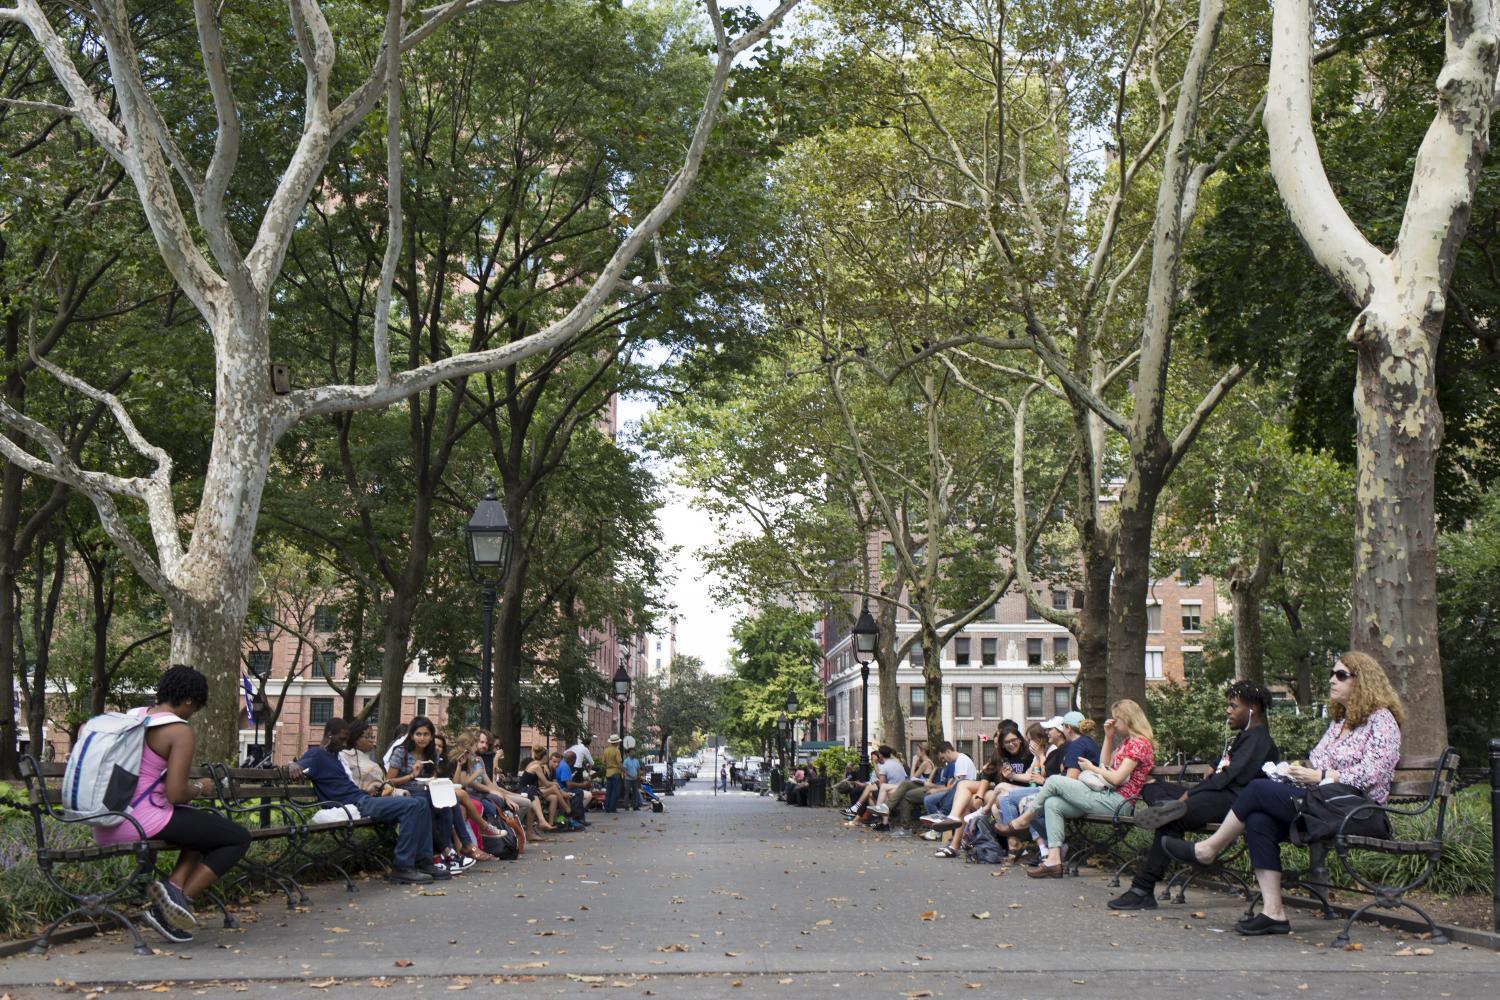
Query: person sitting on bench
{"x":1172,"y":810}
{"x":411,"y":814}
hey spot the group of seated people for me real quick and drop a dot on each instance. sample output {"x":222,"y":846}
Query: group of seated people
{"x":439,"y":838}
{"x":1035,"y":782}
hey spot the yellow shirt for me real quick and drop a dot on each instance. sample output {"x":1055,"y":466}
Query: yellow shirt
{"x":611,"y":760}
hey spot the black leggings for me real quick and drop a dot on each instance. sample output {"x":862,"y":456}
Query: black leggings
{"x":221,"y":842}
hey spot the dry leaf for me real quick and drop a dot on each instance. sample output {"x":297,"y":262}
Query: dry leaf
{"x":982,"y":916}
{"x":458,"y":986}
{"x":1015,"y":906}
{"x":917,"y":994}
{"x":673,"y":947}
{"x":379,"y":983}
{"x":731,"y":954}
{"x":1301,"y":986}
{"x":974,"y":986}
{"x":337,"y":930}
{"x":929,"y":915}
{"x":788,"y":982}
{"x":1200,"y":915}
{"x":1080,"y":982}
{"x":825,"y":923}
{"x":403,"y":963}
{"x":324,"y":984}
{"x":1422,"y":951}
{"x":585,"y":979}
{"x":526,"y":965}
{"x":1356,"y":946}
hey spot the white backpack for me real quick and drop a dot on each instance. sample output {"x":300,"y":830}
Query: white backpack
{"x":105,"y":766}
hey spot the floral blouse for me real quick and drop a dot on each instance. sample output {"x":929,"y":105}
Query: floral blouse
{"x":1138,"y":749}
{"x":1365,"y":757}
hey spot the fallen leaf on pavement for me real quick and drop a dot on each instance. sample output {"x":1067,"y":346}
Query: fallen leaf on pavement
{"x":982,"y":916}
{"x":673,"y":947}
{"x":731,"y":954}
{"x":403,"y":963}
{"x":1422,"y":951}
{"x":324,"y":984}
{"x":585,"y":979}
{"x":825,"y":923}
{"x":1015,"y":906}
{"x":929,"y":915}
{"x":337,"y":930}
{"x":917,"y":994}
{"x":525,"y":965}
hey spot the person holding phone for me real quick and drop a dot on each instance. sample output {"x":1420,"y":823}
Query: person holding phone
{"x":414,"y":763}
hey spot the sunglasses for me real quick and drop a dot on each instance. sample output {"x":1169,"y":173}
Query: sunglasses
{"x":1340,"y":674}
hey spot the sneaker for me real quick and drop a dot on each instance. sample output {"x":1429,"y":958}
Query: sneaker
{"x":1133,"y":899}
{"x":172,"y":904}
{"x":849,"y":811}
{"x":932,"y":835}
{"x":458,"y":864}
{"x":154,"y":919}
{"x":881,"y":810}
{"x":934,"y":817}
{"x":408,"y":876}
{"x":901,"y":831}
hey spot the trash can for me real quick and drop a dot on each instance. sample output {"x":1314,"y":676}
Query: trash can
{"x":817,"y":793}
{"x":777,"y":780}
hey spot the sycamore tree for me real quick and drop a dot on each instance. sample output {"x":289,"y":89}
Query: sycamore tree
{"x":225,"y":254}
{"x":1402,"y":300}
{"x":670,"y":710}
{"x":774,"y":655}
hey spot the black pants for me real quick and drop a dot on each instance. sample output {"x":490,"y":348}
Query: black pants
{"x":221,"y":842}
{"x":1202,"y":809}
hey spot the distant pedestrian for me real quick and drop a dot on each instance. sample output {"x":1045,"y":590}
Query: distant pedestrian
{"x":723,"y":779}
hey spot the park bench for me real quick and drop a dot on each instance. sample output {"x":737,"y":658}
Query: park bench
{"x":1105,"y":837}
{"x":62,"y":845}
{"x":284,"y":811}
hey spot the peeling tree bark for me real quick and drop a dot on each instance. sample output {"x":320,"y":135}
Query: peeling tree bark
{"x":1401,"y":296}
{"x":1247,"y":586}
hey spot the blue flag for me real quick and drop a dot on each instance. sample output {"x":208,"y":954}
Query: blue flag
{"x":249,"y":700}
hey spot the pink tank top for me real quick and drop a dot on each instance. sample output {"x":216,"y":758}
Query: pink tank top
{"x":153,"y":811}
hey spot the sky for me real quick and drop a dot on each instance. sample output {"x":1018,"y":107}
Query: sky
{"x":702,"y":627}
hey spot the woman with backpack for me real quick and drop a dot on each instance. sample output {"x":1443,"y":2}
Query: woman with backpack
{"x":210,"y":845}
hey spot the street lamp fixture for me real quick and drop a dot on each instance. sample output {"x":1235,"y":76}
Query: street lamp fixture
{"x":792,"y":704}
{"x":489,"y":541}
{"x":865,"y":637}
{"x":622,"y":685}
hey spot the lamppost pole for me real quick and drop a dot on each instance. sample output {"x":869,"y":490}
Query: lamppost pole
{"x":486,"y":657}
{"x":865,"y":636}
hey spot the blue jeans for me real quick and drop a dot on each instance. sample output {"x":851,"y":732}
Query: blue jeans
{"x":413,"y":825}
{"x":612,"y":793}
{"x":635,"y":792}
{"x":1010,"y":808}
{"x":939,"y":802}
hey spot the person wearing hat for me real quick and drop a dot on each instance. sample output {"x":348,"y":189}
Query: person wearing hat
{"x":613,"y":782}
{"x":1069,"y":740}
{"x":630,"y":774}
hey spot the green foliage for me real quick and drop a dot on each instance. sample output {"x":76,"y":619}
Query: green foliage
{"x":832,"y":762}
{"x":678,"y":711}
{"x":1469,"y":628}
{"x":773,"y":655}
{"x":1188,"y":719}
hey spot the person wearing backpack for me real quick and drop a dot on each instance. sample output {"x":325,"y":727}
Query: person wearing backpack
{"x":210,"y":845}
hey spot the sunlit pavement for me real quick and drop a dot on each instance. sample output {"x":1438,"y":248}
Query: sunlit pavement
{"x":738,"y":895}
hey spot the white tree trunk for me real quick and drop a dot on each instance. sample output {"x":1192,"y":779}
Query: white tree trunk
{"x":1401,"y":298}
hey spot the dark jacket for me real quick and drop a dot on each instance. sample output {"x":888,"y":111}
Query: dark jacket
{"x":1250,"y":749}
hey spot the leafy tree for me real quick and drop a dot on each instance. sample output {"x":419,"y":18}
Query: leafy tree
{"x":670,"y":711}
{"x":774,"y":655}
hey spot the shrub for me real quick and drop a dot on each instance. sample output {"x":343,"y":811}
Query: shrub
{"x":1188,"y":719}
{"x":833,"y":760}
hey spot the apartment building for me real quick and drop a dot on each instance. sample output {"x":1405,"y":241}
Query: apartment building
{"x":1009,"y":664}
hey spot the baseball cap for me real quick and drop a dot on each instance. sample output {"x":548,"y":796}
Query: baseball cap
{"x":1072,"y":719}
{"x":1056,"y":722}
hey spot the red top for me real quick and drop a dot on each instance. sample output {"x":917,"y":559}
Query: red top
{"x":1138,"y":749}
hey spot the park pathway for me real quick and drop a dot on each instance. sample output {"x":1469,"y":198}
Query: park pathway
{"x":739,"y":896}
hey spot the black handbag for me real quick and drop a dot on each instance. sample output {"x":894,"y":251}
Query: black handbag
{"x":1322,"y":813}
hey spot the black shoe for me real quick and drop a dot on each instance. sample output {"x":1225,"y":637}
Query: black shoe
{"x":408,"y":876}
{"x":1181,"y":850}
{"x":157,"y":921}
{"x":1261,"y":924}
{"x":437,"y":872}
{"x":172,"y":905}
{"x":1156,"y":817}
{"x":1133,"y":899}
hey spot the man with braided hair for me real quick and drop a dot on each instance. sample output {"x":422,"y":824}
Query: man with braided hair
{"x":1172,"y":810}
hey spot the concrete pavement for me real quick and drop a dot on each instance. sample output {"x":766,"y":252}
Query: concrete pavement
{"x":738,"y":895}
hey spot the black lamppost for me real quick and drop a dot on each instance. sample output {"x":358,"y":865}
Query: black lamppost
{"x":489,"y":542}
{"x":622,"y":685}
{"x":792,"y":705}
{"x":865,"y":635}
{"x":783,"y":727}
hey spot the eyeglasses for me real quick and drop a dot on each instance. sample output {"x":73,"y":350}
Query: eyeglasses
{"x":1340,"y":674}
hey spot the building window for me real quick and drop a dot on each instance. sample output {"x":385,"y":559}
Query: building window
{"x":259,"y":662}
{"x":422,"y":707}
{"x":1060,"y":649}
{"x":965,"y":747}
{"x":1035,"y":703}
{"x":989,"y":702}
{"x":1032,"y":615}
{"x":262,"y":627}
{"x":325,"y":664}
{"x":918,"y":657}
{"x":990,"y":614}
{"x":961,"y":652}
{"x":324,"y":619}
{"x":1062,"y":701}
{"x":1153,"y":618}
{"x":319,"y":710}
{"x":963,"y":703}
{"x":1034,"y":652}
{"x":1192,"y":663}
{"x":373,"y":669}
{"x":1059,"y":600}
{"x":918,"y":701}
{"x":1192,"y":616}
{"x":1187,"y":573}
{"x":988,"y":650}
{"x":1153,"y":665}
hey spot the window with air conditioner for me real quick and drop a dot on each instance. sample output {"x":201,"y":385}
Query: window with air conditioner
{"x":1034,"y":652}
